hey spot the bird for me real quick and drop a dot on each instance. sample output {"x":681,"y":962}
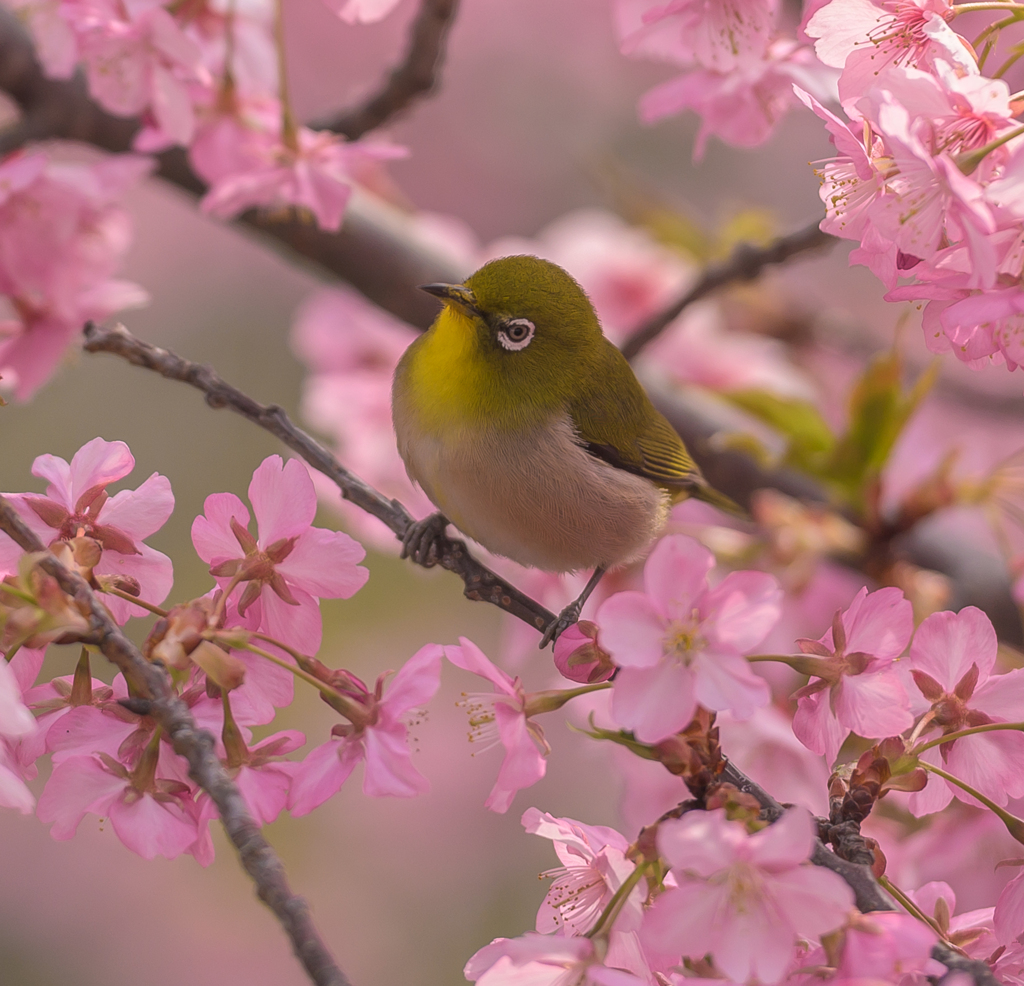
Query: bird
{"x":528,"y":430}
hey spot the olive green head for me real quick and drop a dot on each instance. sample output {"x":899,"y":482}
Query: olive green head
{"x":521,"y":325}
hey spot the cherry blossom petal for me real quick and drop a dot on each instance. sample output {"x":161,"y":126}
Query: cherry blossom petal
{"x":417,"y":681}
{"x":816,"y":727}
{"x":654,"y":703}
{"x":523,"y":765}
{"x":283,"y":499}
{"x":469,"y":657}
{"x":873,"y":705}
{"x":326,"y":564}
{"x":741,"y":610}
{"x":265,"y":790}
{"x":75,"y":787}
{"x":300,"y":627}
{"x":141,"y":511}
{"x":724,"y":681}
{"x":211,"y":530}
{"x":632,"y":629}
{"x":1008,"y":921}
{"x":947,"y":644}
{"x":151,"y":568}
{"x":388,"y":771}
{"x":152,"y":828}
{"x":878,"y":623}
{"x":675,"y":574}
{"x":320,"y":775}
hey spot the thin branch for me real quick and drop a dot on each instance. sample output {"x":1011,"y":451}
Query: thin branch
{"x":415,"y":77}
{"x":481,"y":584}
{"x":197,"y":746}
{"x":745,"y":264}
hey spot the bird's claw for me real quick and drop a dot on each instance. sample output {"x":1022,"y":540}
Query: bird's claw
{"x":564,"y":620}
{"x":421,"y":542}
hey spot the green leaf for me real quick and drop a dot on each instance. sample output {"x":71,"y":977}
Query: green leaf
{"x":879,"y":410}
{"x":809,"y":436}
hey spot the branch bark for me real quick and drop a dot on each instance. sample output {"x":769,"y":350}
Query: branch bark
{"x":414,"y":77}
{"x":197,"y":746}
{"x":746,"y":263}
{"x":481,"y":584}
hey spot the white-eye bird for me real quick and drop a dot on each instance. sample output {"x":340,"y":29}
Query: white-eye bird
{"x":530,"y":432}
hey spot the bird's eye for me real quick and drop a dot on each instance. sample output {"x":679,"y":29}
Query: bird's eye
{"x":516,"y":334}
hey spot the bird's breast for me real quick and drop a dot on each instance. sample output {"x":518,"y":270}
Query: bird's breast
{"x":534,"y":495}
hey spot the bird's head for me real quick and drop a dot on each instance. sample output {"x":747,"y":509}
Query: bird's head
{"x":523,"y":323}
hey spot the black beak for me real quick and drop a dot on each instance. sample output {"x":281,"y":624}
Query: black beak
{"x":456,"y":294}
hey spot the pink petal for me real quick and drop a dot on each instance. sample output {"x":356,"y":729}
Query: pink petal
{"x":654,"y":703}
{"x":724,"y":681}
{"x":936,"y":793}
{"x":416,"y":683}
{"x":753,"y":944}
{"x":77,"y":786}
{"x":15,"y":719}
{"x":686,"y":919}
{"x":469,"y":657}
{"x":211,"y":530}
{"x":1008,"y":921}
{"x":947,"y":644}
{"x":265,"y":790}
{"x":676,"y":574}
{"x":152,"y":569}
{"x":322,"y":773}
{"x":300,"y":627}
{"x":140,"y":512}
{"x":523,"y":765}
{"x":816,"y":727}
{"x":86,"y":730}
{"x":153,"y":828}
{"x":97,"y":463}
{"x":879,"y":623}
{"x":740,"y":611}
{"x":873,"y":704}
{"x":632,"y":629}
{"x":1001,"y":697}
{"x":784,"y":844}
{"x":814,"y":900}
{"x":700,"y":843}
{"x":13,"y":792}
{"x":267,"y":687}
{"x":325,"y":563}
{"x":283,"y":499}
{"x":388,"y":771}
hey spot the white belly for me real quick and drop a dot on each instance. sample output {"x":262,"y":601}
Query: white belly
{"x":538,"y":498}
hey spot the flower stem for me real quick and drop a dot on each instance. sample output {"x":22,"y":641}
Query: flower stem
{"x":611,"y":911}
{"x":987,"y":727}
{"x":289,"y":132}
{"x":969,"y":161}
{"x":127,"y":597}
{"x":909,"y":906}
{"x":964,"y":8}
{"x":1014,"y":825}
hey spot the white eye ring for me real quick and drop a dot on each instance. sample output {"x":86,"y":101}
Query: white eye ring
{"x":523,"y":330}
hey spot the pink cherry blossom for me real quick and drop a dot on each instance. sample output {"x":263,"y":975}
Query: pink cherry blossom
{"x":720,"y":35}
{"x":77,"y":504}
{"x":14,"y":792}
{"x":316,"y":176}
{"x":743,"y":898}
{"x":15,"y":719}
{"x":543,"y":960}
{"x":854,"y":685}
{"x":62,"y":236}
{"x":361,"y":11}
{"x":952,"y":660}
{"x":1008,"y":920}
{"x":501,"y":717}
{"x":681,"y":643}
{"x":290,"y":566}
{"x":151,"y":816}
{"x":594,"y":866}
{"x":382,"y":744}
{"x":743,"y":106}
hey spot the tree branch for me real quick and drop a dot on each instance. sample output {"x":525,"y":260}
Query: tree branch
{"x":197,"y":746}
{"x":745,"y":264}
{"x":481,"y":584}
{"x":416,"y":76}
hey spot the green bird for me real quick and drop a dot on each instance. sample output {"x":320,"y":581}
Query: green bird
{"x":530,"y":432}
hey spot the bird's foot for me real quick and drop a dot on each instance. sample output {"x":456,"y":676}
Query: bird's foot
{"x":421,"y":542}
{"x":562,"y":622}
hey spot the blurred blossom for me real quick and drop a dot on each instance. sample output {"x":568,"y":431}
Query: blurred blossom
{"x":63,"y":234}
{"x":544,"y":960}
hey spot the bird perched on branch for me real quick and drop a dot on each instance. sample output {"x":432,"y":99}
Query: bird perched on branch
{"x":530,"y":432}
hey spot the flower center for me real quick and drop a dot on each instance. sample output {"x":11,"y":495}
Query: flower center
{"x":683,"y":639}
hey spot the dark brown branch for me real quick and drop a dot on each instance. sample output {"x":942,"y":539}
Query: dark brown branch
{"x":197,"y":746}
{"x":415,"y":77}
{"x":745,"y":264}
{"x":481,"y":584}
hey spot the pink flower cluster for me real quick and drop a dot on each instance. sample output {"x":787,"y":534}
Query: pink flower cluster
{"x":739,"y":64}
{"x":63,"y":235}
{"x":927,"y":173}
